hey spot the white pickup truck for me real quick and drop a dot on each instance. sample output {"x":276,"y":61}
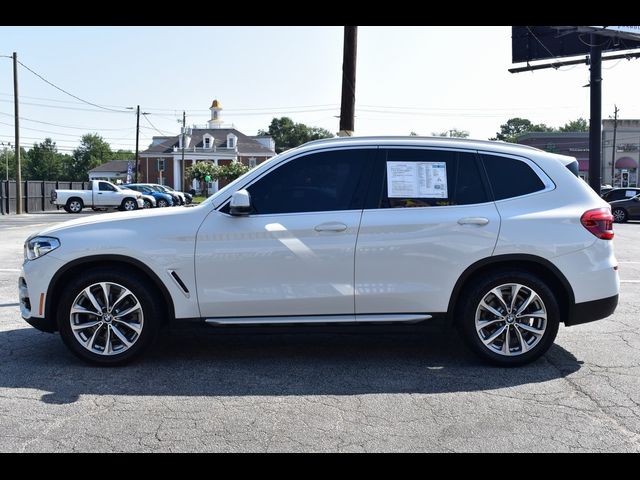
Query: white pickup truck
{"x":101,"y":194}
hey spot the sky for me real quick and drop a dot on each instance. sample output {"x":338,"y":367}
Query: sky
{"x":409,"y":79}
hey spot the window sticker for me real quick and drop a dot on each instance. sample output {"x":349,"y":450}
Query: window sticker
{"x":417,"y":180}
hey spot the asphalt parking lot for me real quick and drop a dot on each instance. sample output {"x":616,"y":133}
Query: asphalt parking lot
{"x":320,"y":389}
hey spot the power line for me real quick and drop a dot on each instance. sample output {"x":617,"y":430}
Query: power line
{"x":64,"y":91}
{"x":155,"y":128}
{"x":60,"y":107}
{"x":66,"y":126}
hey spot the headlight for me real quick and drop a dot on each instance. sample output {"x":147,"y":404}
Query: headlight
{"x":38,"y":246}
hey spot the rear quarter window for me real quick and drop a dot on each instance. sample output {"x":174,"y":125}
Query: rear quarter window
{"x":510,"y":177}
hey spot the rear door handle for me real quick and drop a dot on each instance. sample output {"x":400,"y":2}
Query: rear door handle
{"x":330,"y":227}
{"x":473,"y":221}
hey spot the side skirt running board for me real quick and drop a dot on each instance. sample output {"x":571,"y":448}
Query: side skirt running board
{"x":363,"y":318}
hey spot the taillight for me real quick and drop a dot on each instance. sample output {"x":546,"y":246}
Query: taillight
{"x":598,"y":221}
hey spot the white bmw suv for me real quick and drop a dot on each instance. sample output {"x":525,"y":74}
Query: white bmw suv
{"x":504,"y":240}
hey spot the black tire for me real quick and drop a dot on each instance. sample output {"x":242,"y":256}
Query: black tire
{"x":620,"y":215}
{"x":481,"y":289}
{"x":152,"y":316}
{"x":162,"y":203}
{"x":128,"y":205}
{"x":66,"y":209}
{"x":147,"y":204}
{"x":74,"y":205}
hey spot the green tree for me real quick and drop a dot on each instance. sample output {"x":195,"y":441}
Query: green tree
{"x":122,"y":155}
{"x":201,"y":170}
{"x":454,"y":133}
{"x":231,"y":171}
{"x":8,"y":159}
{"x":93,"y":151}
{"x":43,"y":162}
{"x":578,"y":125}
{"x":517,"y":126}
{"x":288,"y":134}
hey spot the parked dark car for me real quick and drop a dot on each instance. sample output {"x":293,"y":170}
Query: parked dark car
{"x":620,"y":194}
{"x":624,"y":210}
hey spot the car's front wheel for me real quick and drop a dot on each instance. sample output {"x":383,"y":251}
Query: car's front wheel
{"x":128,"y":204}
{"x":509,"y":318}
{"x":162,"y":203}
{"x":108,"y":317}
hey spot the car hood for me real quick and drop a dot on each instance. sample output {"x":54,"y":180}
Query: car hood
{"x":133,"y":219}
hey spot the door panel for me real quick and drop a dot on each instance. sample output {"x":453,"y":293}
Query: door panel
{"x":294,"y":255}
{"x":408,"y":260}
{"x":272,"y":265}
{"x":423,"y":226}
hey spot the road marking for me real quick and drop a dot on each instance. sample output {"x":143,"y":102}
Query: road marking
{"x":9,"y":269}
{"x":629,"y":281}
{"x":628,"y":262}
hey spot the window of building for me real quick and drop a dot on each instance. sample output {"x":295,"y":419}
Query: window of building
{"x":252,"y":162}
{"x":207,"y":142}
{"x":510,"y":177}
{"x":427,"y":178}
{"x":161,"y":164}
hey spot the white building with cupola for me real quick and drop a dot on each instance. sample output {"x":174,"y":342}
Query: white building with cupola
{"x":214,"y":142}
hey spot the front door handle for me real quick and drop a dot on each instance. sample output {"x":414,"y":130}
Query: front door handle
{"x":330,"y":227}
{"x":473,"y":221}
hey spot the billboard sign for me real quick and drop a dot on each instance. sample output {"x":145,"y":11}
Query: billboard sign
{"x":543,"y":43}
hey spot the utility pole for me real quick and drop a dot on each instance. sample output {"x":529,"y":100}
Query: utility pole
{"x":184,"y":118}
{"x":347,"y":107}
{"x":613,"y":152}
{"x":595,"y":122}
{"x":137,"y":139}
{"x":17,"y":139}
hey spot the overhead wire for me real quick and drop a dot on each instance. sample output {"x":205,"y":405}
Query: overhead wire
{"x":64,"y":91}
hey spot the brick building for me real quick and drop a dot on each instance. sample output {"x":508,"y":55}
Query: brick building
{"x":161,"y":162}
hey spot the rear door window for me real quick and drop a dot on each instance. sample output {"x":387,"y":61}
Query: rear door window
{"x":426,"y":178}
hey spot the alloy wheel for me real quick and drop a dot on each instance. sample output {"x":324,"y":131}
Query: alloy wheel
{"x":511,"y":319}
{"x":106,"y":318}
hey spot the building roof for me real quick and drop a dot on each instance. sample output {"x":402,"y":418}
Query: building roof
{"x":216,"y":104}
{"x":245,"y":143}
{"x":113,"y":166}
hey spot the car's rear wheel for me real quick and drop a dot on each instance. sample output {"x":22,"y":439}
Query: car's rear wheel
{"x":509,"y":317}
{"x":74,"y":205}
{"x":108,"y":317}
{"x":620,"y":215}
{"x":147,"y":203}
{"x":162,"y":203}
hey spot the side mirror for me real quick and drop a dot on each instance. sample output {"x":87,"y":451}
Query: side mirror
{"x":240,"y":203}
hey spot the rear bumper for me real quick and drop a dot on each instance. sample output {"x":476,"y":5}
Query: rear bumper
{"x":42,"y":324}
{"x":591,"y":311}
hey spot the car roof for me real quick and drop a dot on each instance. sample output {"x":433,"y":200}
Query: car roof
{"x":492,"y":146}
